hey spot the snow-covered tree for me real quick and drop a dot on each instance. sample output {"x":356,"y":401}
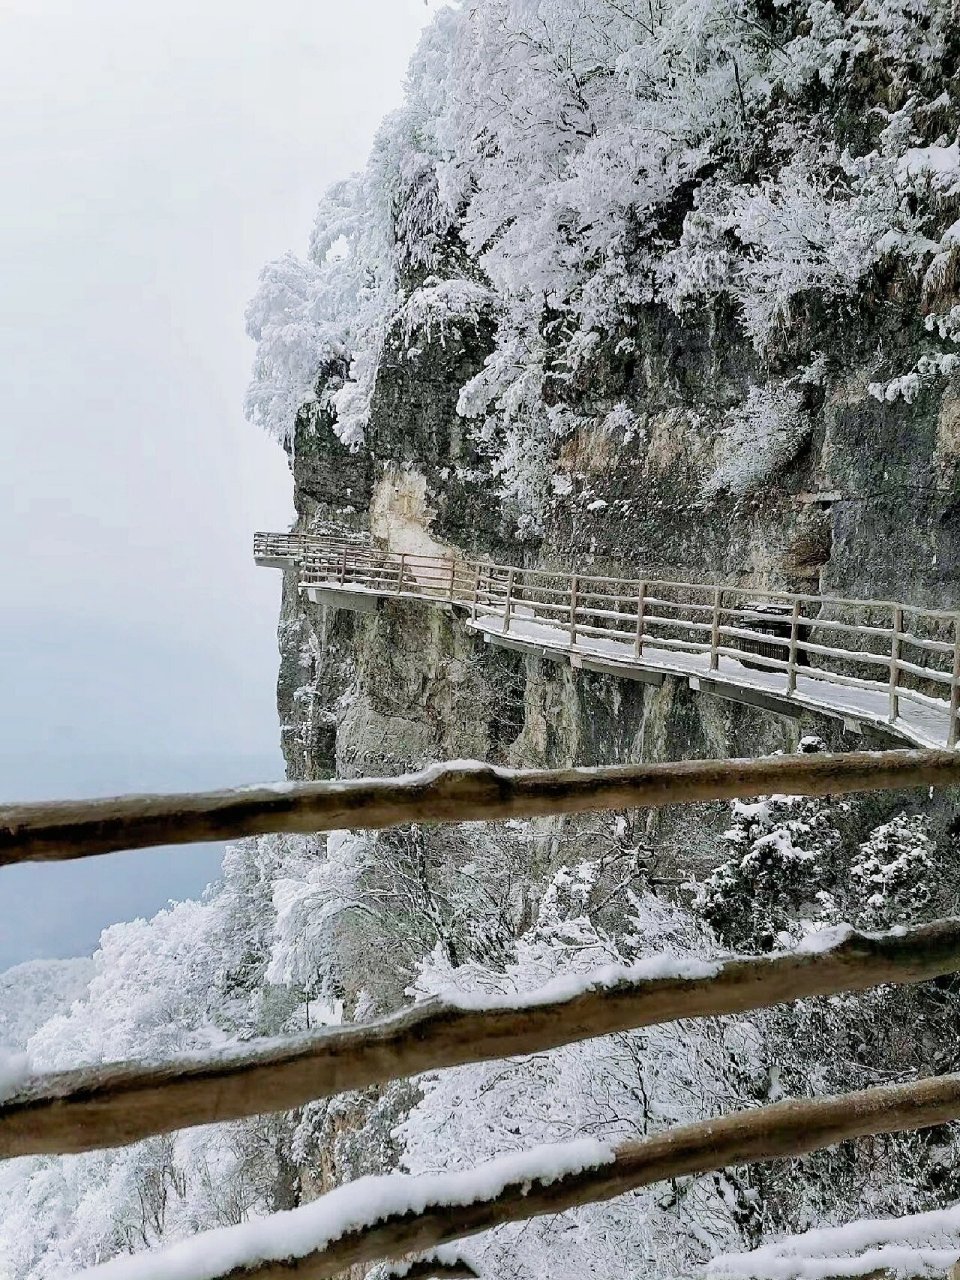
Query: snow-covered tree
{"x":623,"y":1086}
{"x":891,"y":877}
{"x":783,"y":853}
{"x":570,"y":162}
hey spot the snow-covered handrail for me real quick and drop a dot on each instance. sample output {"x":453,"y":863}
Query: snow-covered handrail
{"x":268,"y":547}
{"x":880,"y":661}
{"x":391,"y":1216}
{"x":917,"y":1245}
{"x":462,"y":791}
{"x":110,"y":1105}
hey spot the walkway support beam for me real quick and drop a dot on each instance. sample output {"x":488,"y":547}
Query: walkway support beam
{"x":460,"y":792}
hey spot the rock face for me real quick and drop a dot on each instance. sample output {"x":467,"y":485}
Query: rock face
{"x":664,"y":439}
{"x":384,"y":693}
{"x":408,"y":685}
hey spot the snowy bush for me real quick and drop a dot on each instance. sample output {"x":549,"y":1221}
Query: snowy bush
{"x":892,"y":873}
{"x":781,"y":848}
{"x":930,"y":367}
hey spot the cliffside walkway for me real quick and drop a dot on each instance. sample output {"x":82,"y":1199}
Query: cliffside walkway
{"x":876,"y":662}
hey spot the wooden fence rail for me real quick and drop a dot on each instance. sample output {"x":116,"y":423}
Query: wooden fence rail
{"x":110,"y":1105}
{"x":469,"y":1204}
{"x":897,"y":663}
{"x":91,"y":1108}
{"x":459,"y":792}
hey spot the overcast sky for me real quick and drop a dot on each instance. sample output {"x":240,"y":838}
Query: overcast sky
{"x":154,"y":157}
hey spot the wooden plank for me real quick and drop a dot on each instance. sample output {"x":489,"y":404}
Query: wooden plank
{"x":715,"y":630}
{"x":894,"y":663}
{"x":641,"y":609}
{"x":508,"y":607}
{"x":792,"y":654}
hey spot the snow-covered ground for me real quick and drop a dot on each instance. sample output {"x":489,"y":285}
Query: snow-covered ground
{"x":925,"y":726}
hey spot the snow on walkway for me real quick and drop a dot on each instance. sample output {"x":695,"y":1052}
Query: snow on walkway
{"x":921,"y":725}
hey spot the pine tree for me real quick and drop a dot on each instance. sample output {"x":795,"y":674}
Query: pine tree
{"x":892,"y":873}
{"x":783,"y":851}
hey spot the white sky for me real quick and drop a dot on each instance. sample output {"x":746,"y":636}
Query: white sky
{"x":154,"y":157}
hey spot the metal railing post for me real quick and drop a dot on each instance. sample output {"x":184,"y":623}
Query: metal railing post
{"x":715,"y":630}
{"x":476,"y":591}
{"x":574,"y":591}
{"x":508,"y":608}
{"x":895,"y":645}
{"x":641,"y":610}
{"x":794,"y":639}
{"x":343,"y":567}
{"x":453,"y":577}
{"x":955,"y":686}
{"x":400,"y":572}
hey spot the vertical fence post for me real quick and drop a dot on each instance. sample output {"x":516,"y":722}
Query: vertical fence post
{"x":476,"y":590}
{"x":955,"y":685}
{"x":400,"y":572}
{"x":895,"y":644}
{"x":715,"y":630}
{"x":508,"y":608}
{"x":574,"y":592}
{"x":641,"y":610}
{"x":453,"y":576}
{"x":343,"y":567}
{"x":794,"y":639}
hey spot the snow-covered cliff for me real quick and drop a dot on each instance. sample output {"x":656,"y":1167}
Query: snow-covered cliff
{"x":650,"y":284}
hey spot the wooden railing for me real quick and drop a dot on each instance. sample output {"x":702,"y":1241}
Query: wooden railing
{"x":291,"y":546}
{"x":888,"y":656}
{"x":107,"y":1105}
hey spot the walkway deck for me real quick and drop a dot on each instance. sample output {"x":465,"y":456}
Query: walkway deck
{"x":895,"y":666}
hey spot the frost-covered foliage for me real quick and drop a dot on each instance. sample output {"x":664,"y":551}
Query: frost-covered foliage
{"x":191,"y":979}
{"x":931,"y":366}
{"x":305,"y":932}
{"x":759,"y":438}
{"x":561,"y":166}
{"x":34,"y":992}
{"x":783,"y":850}
{"x":792,"y":867}
{"x":892,"y":874}
{"x":622,"y":1087}
{"x":796,"y":868}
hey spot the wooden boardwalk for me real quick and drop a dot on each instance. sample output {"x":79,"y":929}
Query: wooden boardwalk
{"x":868,"y":662}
